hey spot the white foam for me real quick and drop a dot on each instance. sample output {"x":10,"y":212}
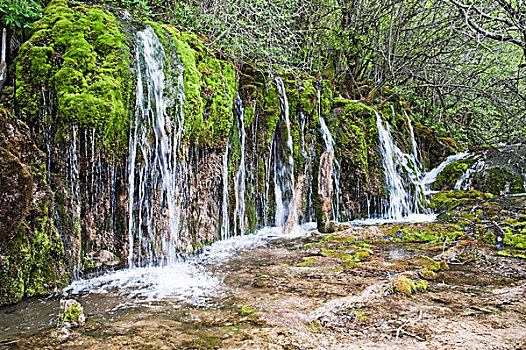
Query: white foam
{"x":184,"y":280}
{"x":412,"y":218}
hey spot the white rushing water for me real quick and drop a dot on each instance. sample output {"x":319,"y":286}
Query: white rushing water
{"x":329,"y":148}
{"x":186,"y":281}
{"x":411,"y":218}
{"x":283,"y":173}
{"x":430,"y":177}
{"x":411,"y":130}
{"x":225,"y":223}
{"x":464,"y":182}
{"x":240,"y":181}
{"x":325,"y":132}
{"x":402,"y":177}
{"x":156,"y":174}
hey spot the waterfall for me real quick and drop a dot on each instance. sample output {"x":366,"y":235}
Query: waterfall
{"x":283,"y":173}
{"x":240,"y":181}
{"x":225,"y":223}
{"x":397,"y":164}
{"x":464,"y":182}
{"x":156,"y":171}
{"x":308,"y":153}
{"x":73,"y":180}
{"x":431,"y":176}
{"x":413,"y":141}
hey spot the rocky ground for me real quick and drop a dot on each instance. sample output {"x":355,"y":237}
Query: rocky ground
{"x":359,"y":288}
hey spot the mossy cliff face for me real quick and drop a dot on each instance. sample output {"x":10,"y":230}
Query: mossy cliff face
{"x":354,"y":126}
{"x":432,"y":148}
{"x":209,"y":87}
{"x":31,"y":251}
{"x":75,"y":81}
{"x":73,"y":88}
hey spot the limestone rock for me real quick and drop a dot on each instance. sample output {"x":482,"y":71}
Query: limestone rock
{"x":325,"y":190}
{"x":295,"y":206}
{"x":16,"y":192}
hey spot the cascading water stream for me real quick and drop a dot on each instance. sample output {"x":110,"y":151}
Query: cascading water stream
{"x":225,"y":223}
{"x":411,"y":130}
{"x":240,"y":181}
{"x":329,"y":148}
{"x":283,"y":173}
{"x":431,"y":176}
{"x":464,"y":182}
{"x":393,"y":162}
{"x":154,"y":166}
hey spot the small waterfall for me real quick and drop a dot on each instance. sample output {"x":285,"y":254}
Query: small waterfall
{"x":431,"y":176}
{"x":308,"y":153}
{"x":464,"y":182}
{"x":73,"y":182}
{"x":225,"y":223}
{"x":156,"y":171}
{"x":240,"y":181}
{"x":283,"y":173}
{"x":413,"y":141}
{"x":394,"y":163}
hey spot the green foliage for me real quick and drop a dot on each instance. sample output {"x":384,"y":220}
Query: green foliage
{"x":17,"y":14}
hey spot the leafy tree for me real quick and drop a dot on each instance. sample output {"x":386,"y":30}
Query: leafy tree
{"x":17,"y":14}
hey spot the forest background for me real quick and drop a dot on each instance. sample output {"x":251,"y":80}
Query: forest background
{"x":460,"y":64}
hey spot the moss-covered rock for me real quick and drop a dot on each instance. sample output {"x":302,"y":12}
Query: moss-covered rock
{"x":447,"y":179}
{"x":427,"y":233}
{"x":449,"y":199}
{"x":31,"y":251}
{"x":497,"y":180}
{"x":433,"y":149}
{"x":406,"y":286}
{"x":210,"y":87}
{"x":79,"y":55}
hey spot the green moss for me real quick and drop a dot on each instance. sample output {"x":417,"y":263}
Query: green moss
{"x":404,"y":285}
{"x":362,"y":255}
{"x":247,"y":310}
{"x":72,"y":314}
{"x":512,"y":253}
{"x":426,"y":262}
{"x":498,"y":180}
{"x":33,"y":258}
{"x":354,"y":129}
{"x":308,"y":261}
{"x":336,"y":253}
{"x":79,"y":55}
{"x":445,"y":199}
{"x":209,"y":86}
{"x":515,"y":240}
{"x":427,"y":274}
{"x":308,"y":96}
{"x":430,"y":233}
{"x":447,"y":179}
